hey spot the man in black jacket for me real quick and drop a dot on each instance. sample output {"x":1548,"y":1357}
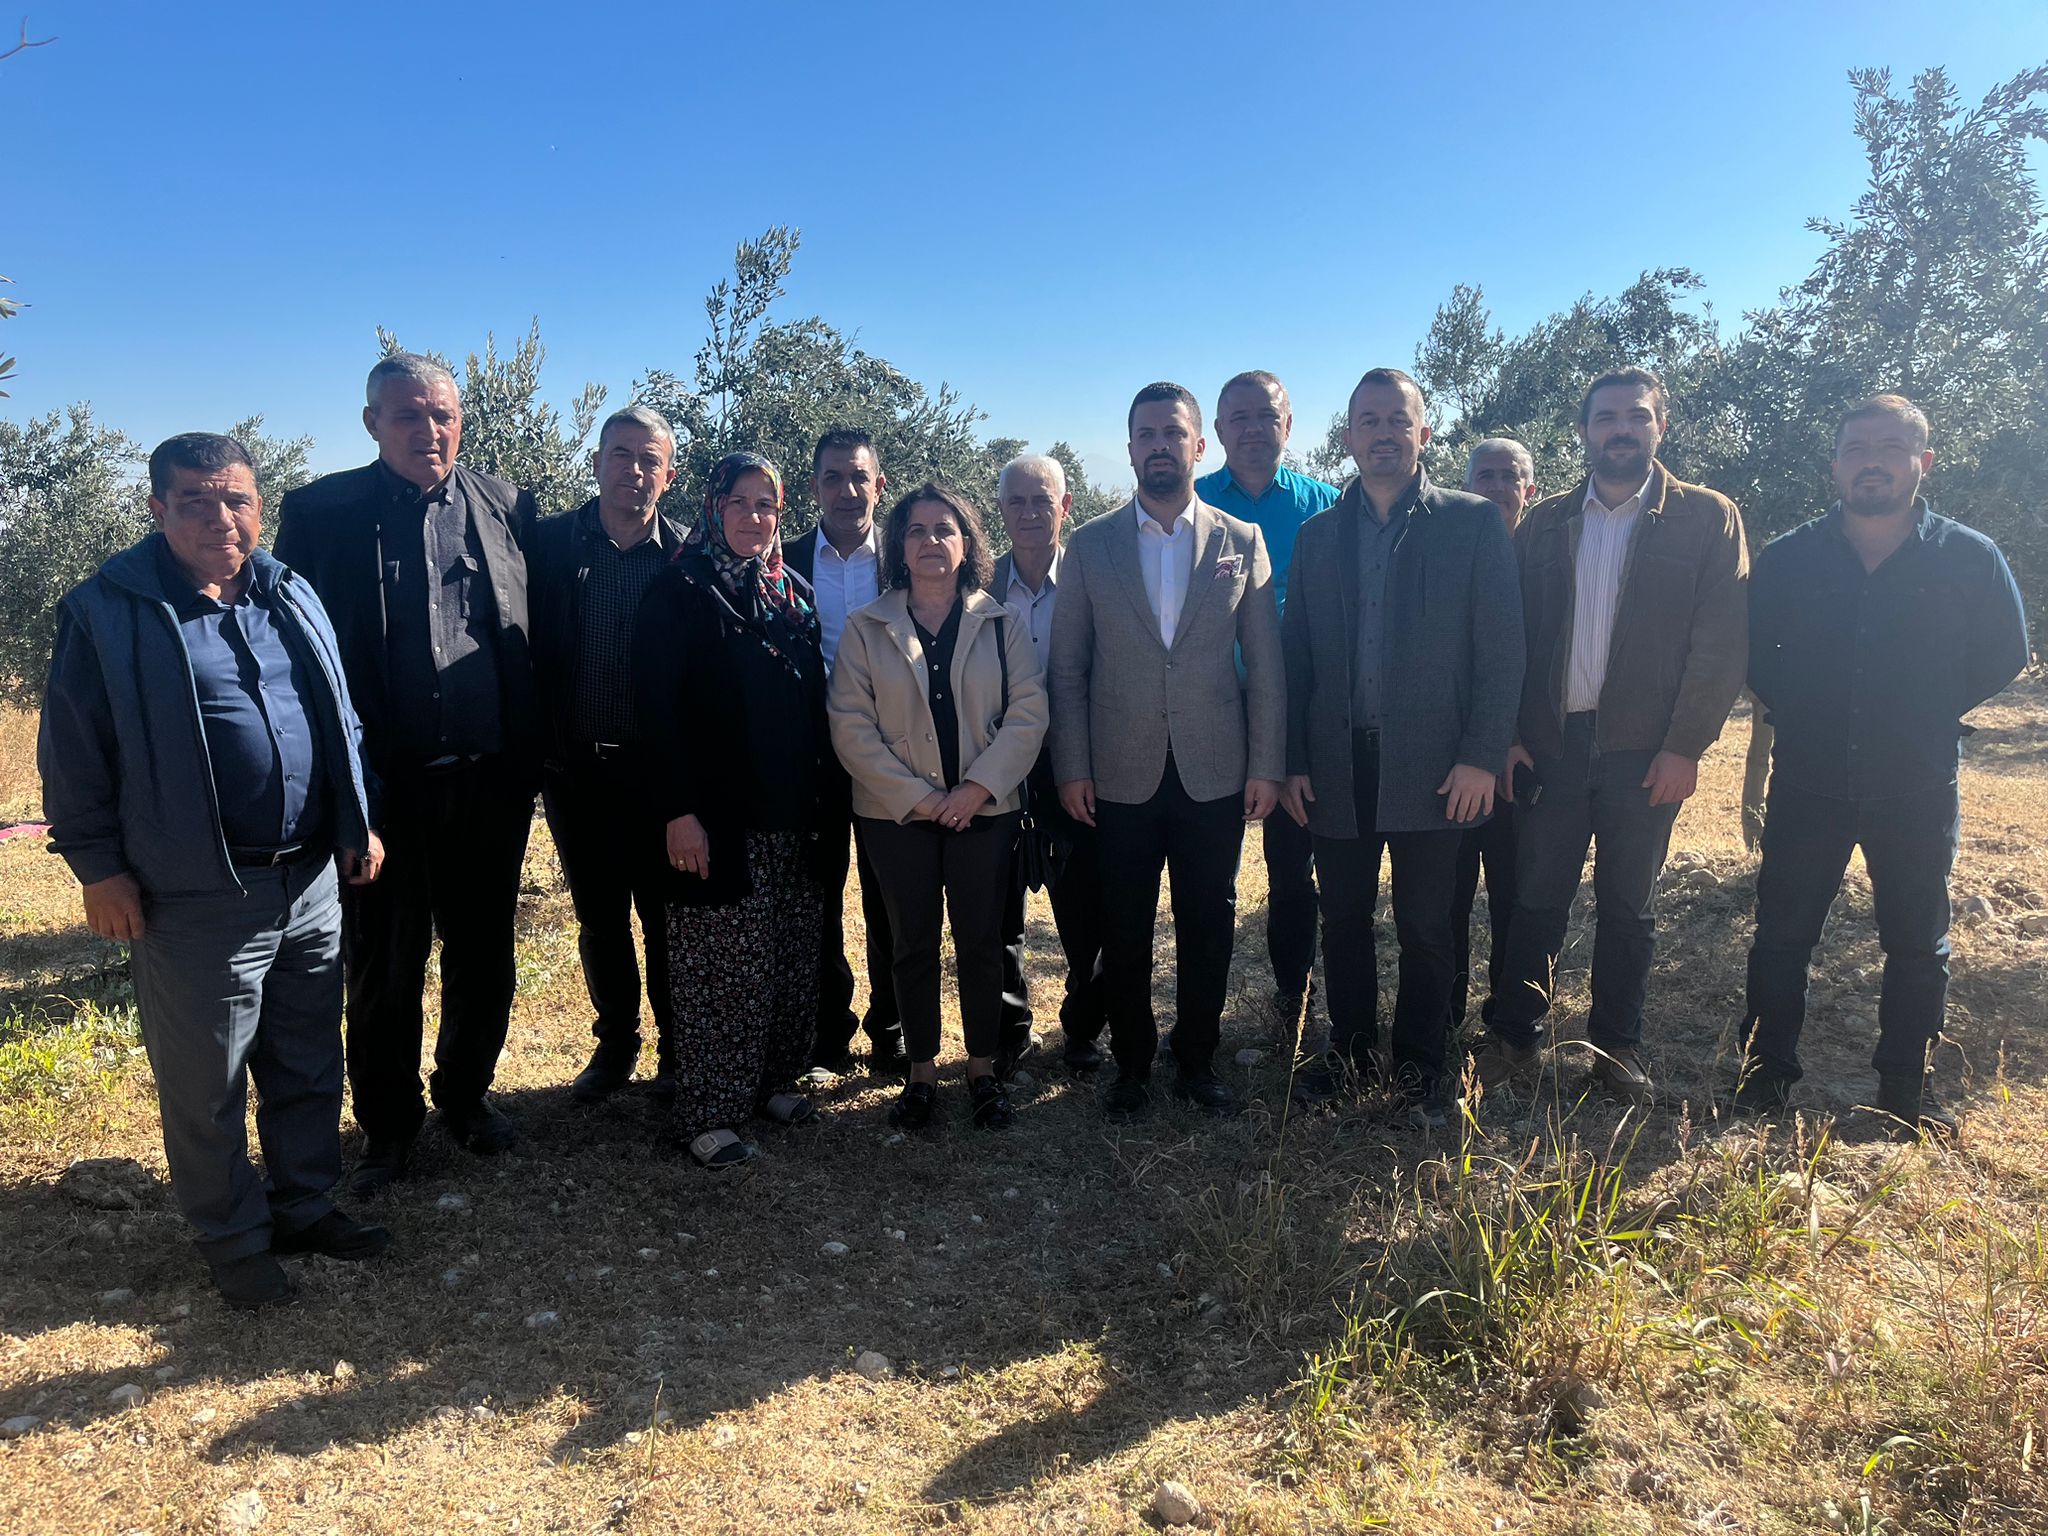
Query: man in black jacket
{"x":420,"y":564}
{"x":589,"y":569}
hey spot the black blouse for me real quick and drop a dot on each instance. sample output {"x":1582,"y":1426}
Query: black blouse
{"x":938,"y":660}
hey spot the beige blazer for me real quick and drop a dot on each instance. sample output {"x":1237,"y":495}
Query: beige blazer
{"x":882,"y":715}
{"x":1121,"y":701}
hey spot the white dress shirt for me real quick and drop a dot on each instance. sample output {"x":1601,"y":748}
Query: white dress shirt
{"x":1604,"y":537}
{"x":1032,"y":609}
{"x":1167,"y":561}
{"x":843,"y":583}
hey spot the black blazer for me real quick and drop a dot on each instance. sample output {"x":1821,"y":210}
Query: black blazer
{"x":734,"y":737}
{"x":558,"y":556}
{"x":801,"y":553}
{"x":331,"y":532}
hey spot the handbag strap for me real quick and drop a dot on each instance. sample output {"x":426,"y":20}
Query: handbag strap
{"x":1003,"y":661}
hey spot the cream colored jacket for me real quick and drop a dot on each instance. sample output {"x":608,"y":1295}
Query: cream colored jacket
{"x":882,"y":716}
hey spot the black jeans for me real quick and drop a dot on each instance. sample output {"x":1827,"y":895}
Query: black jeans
{"x":1494,"y":844}
{"x":614,"y":856}
{"x":454,"y":839}
{"x":1290,"y":903}
{"x":1909,"y":847}
{"x":837,"y":1022}
{"x":1198,"y":842}
{"x":928,"y":874}
{"x":1425,"y":866}
{"x":1590,"y":798}
{"x":1076,"y":899}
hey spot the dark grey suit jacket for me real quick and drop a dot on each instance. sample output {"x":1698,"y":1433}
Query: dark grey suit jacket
{"x":1453,"y":657}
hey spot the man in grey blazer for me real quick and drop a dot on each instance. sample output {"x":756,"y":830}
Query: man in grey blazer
{"x":1404,"y":673}
{"x":1157,"y":745}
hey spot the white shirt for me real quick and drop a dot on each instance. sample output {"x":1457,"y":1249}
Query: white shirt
{"x":1167,"y":562}
{"x":1032,"y":609}
{"x":1604,"y":537}
{"x":843,"y":583}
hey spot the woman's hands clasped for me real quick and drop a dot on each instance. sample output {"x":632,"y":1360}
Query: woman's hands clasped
{"x":954,"y":811}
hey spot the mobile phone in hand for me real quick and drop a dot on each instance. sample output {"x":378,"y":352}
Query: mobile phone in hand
{"x":1527,"y":785}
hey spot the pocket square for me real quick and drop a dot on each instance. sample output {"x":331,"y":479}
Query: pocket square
{"x":1227,"y":567}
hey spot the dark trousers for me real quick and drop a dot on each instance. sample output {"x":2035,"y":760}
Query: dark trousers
{"x":1290,"y":903}
{"x":454,"y":839}
{"x":837,"y":1022}
{"x":1198,"y":842}
{"x":1424,"y":871}
{"x":614,"y":857}
{"x":240,"y":985}
{"x":1590,"y":799}
{"x":1076,"y":899}
{"x":1909,"y":847}
{"x":928,"y":874}
{"x":1493,"y":845}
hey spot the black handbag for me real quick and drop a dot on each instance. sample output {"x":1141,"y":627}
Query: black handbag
{"x":1039,"y":856}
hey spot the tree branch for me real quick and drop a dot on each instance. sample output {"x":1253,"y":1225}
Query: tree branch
{"x":26,"y":42}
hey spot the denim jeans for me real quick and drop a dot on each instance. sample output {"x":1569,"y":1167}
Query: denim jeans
{"x":1909,"y":846}
{"x":1590,"y":798}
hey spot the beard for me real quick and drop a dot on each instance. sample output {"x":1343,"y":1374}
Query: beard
{"x":1162,"y":479}
{"x":1627,"y":462}
{"x":1878,"y":497}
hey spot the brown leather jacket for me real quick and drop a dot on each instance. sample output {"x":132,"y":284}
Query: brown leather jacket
{"x":1681,"y":626}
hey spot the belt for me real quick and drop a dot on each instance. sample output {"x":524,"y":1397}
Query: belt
{"x":264,"y":858}
{"x":606,"y":751}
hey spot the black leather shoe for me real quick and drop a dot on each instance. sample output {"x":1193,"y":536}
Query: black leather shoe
{"x":991,"y":1103}
{"x":1125,"y":1100}
{"x":336,"y":1236}
{"x":256,"y":1280}
{"x":610,"y":1070}
{"x":382,"y":1164}
{"x":1083,"y":1058}
{"x":1320,"y":1081}
{"x":481,"y":1127}
{"x":1906,"y":1097}
{"x":838,"y":1060}
{"x":1014,"y":1054}
{"x":889,"y":1055}
{"x":1201,"y":1087}
{"x":1760,"y":1095}
{"x":913,"y":1108}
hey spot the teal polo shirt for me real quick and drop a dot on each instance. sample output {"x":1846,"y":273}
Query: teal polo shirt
{"x":1291,"y":500}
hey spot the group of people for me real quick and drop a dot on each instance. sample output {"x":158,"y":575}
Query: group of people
{"x":280,"y":777}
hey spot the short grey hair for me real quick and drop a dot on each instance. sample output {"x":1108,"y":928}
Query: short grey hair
{"x":1044,"y":463}
{"x":1505,"y":445}
{"x":639,"y":416}
{"x":404,"y":365}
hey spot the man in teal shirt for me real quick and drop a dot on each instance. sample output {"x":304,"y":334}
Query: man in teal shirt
{"x":1253,"y":419}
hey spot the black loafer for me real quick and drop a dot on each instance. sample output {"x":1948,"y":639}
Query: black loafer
{"x":481,"y":1127}
{"x":1202,"y":1088}
{"x":1083,"y":1058}
{"x":382,"y":1164}
{"x":608,"y":1072}
{"x":1125,"y":1100}
{"x":336,"y":1236}
{"x":913,"y":1108}
{"x":256,"y":1280}
{"x":1906,"y":1097}
{"x":991,"y":1103}
{"x":1760,"y":1095}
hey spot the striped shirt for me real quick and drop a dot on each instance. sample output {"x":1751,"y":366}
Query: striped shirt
{"x":1604,"y":537}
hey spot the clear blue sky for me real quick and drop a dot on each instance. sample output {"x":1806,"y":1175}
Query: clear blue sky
{"x":211,"y":206}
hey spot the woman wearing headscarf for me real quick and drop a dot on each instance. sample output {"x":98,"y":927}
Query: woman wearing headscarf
{"x":938,"y":709}
{"x":730,"y":687}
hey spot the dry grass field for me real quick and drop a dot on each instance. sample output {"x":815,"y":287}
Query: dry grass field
{"x":1559,"y":1317}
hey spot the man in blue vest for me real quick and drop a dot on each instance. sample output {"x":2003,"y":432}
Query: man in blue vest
{"x":1253,"y":420}
{"x":202,"y":773}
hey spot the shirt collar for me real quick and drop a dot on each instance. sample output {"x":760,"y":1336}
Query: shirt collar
{"x":186,"y":600}
{"x":1052,"y":575}
{"x":871,"y":545}
{"x":1641,"y":497}
{"x":591,"y":524}
{"x":400,"y":489}
{"x":1184,"y":523}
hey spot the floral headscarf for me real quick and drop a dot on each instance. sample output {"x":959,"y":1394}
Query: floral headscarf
{"x":757,"y":584}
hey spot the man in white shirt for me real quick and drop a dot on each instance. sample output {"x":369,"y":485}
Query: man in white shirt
{"x":1158,"y":745}
{"x":841,"y":559}
{"x":1033,"y":497}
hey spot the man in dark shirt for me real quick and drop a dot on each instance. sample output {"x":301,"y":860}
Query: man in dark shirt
{"x":202,"y":775}
{"x":420,"y":561}
{"x":1873,"y":630}
{"x":589,"y":569}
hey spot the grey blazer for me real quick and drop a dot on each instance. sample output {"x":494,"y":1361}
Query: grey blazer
{"x":1453,"y":657}
{"x":1121,"y":701}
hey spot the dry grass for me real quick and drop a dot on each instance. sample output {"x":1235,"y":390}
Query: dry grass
{"x":1816,"y":1331}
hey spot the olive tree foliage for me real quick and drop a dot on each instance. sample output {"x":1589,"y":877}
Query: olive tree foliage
{"x":281,"y":465}
{"x":70,"y":496}
{"x":508,"y":427}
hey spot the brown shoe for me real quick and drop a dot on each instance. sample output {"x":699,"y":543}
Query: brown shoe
{"x":1620,"y":1072}
{"x":1505,"y":1064}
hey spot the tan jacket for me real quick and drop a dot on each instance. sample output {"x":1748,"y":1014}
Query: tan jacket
{"x":882,"y":715}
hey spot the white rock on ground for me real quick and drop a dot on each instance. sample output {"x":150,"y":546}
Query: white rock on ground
{"x":543,"y":1319}
{"x":128,"y":1395}
{"x":834,"y":1250}
{"x":118,"y":1297}
{"x":873,"y":1364}
{"x":453,"y":1202}
{"x":243,"y":1511}
{"x":1176,"y":1504}
{"x":15,"y":1428}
